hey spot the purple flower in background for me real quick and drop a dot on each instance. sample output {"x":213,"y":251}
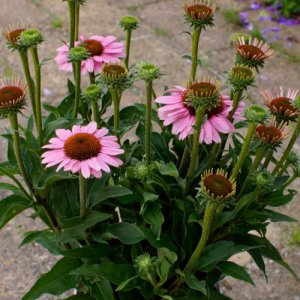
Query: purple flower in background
{"x":244,"y":20}
{"x":288,"y":22}
{"x":265,"y":18}
{"x":254,"y":5}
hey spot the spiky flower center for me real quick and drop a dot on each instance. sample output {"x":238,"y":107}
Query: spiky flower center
{"x":251,"y":51}
{"x":82,"y":146}
{"x":94,"y":47}
{"x":283,"y":105}
{"x":10,"y":94}
{"x":242,"y":72}
{"x":269,"y":133}
{"x":14,"y":35}
{"x":203,"y":89}
{"x":218,"y":185}
{"x":199,"y":11}
{"x":114,"y":70}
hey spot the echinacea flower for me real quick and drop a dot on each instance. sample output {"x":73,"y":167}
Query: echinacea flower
{"x":217,"y":186}
{"x":252,"y":53}
{"x":12,"y":35}
{"x":272,"y":134}
{"x":281,"y":103}
{"x":101,"y":49}
{"x":12,"y":95}
{"x":177,"y":112}
{"x":85,"y":149}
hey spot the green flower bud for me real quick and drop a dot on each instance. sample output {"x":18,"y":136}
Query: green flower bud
{"x":145,"y":263}
{"x":255,"y":113}
{"x":264,"y":180}
{"x":78,"y":54}
{"x":129,"y":22}
{"x":240,"y":77}
{"x":297,"y":170}
{"x":92,"y":93}
{"x":293,"y":159}
{"x":147,"y":71}
{"x":30,"y":38}
{"x":138,"y":172}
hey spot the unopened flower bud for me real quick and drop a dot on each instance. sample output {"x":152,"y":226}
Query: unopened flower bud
{"x":297,"y":170}
{"x":138,"y":172}
{"x":264,"y":180}
{"x":78,"y":54}
{"x":240,"y":77}
{"x":92,"y":93}
{"x":145,"y":263}
{"x":129,"y":22}
{"x":30,"y":38}
{"x":255,"y":113}
{"x":147,"y":71}
{"x":293,"y":159}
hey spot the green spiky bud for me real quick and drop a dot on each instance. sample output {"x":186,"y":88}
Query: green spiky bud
{"x":240,"y":77}
{"x":78,"y":54}
{"x":296,"y":169}
{"x":256,"y":113}
{"x":264,"y":180}
{"x":293,"y":159}
{"x":129,"y":22}
{"x":30,"y":38}
{"x":92,"y":93}
{"x":138,"y":172}
{"x":145,"y":263}
{"x":147,"y":71}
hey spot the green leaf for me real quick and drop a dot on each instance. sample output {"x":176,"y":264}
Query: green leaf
{"x":235,"y":271}
{"x":12,"y":206}
{"x":80,"y":297}
{"x":195,"y":284}
{"x":30,"y":237}
{"x":125,"y":283}
{"x":166,"y":259}
{"x":8,"y":187}
{"x":102,"y":290}
{"x":113,"y":272}
{"x":89,"y":252}
{"x":106,"y":193}
{"x":168,"y":169}
{"x":127,"y":233}
{"x":277,"y":198}
{"x":56,"y":281}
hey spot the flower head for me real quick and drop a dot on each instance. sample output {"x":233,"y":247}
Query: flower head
{"x":92,"y":92}
{"x":147,"y":71}
{"x":273,"y":134}
{"x":181,"y":115}
{"x":12,"y":36}
{"x":255,"y":113}
{"x":217,"y":186}
{"x":129,"y":22}
{"x":253,"y":53}
{"x":12,"y":95}
{"x":281,"y":104}
{"x":84,"y":148}
{"x":240,"y":77}
{"x":264,"y":179}
{"x":30,"y":37}
{"x":101,"y":50}
{"x":238,"y":35}
{"x":78,"y":54}
{"x":199,"y":13}
{"x":293,"y":159}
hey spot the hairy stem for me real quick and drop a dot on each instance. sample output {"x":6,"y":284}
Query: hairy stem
{"x":195,"y":47}
{"x":148,"y":120}
{"x":82,"y":194}
{"x":77,"y":21}
{"x":77,"y":88}
{"x":128,"y":43}
{"x":116,"y":102}
{"x":72,"y":23}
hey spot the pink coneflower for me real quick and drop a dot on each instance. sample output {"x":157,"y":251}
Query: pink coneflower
{"x":85,"y":148}
{"x":182,"y":117}
{"x":101,"y":49}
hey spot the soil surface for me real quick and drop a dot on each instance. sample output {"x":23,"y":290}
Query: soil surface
{"x":160,"y":40}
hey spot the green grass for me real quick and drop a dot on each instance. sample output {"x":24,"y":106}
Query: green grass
{"x":56,"y":22}
{"x":295,"y":237}
{"x":232,"y":16}
{"x":161,"y":32}
{"x":133,"y":8}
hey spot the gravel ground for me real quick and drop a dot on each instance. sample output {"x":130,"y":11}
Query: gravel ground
{"x":159,"y":40}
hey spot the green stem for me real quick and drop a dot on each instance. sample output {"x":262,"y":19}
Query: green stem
{"x":37,"y":69}
{"x":128,"y":43}
{"x":82,"y":194}
{"x":244,"y":151}
{"x":77,"y":88}
{"x":116,"y":102}
{"x":17,"y":147}
{"x":77,"y":20}
{"x":208,"y":218}
{"x":95,"y":106}
{"x":148,"y":120}
{"x":212,"y":156}
{"x":72,"y":23}
{"x":289,"y":181}
{"x":195,"y":47}
{"x":268,"y":159}
{"x":184,"y":160}
{"x":283,"y":169}
{"x":237,"y":96}
{"x":29,"y":81}
{"x":200,"y":113}
{"x":258,"y":158}
{"x":288,"y":148}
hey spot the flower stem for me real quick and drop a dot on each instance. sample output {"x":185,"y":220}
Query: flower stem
{"x":283,"y":169}
{"x":37,"y":68}
{"x":29,"y":81}
{"x":77,"y":88}
{"x":82,"y":194}
{"x":258,"y":158}
{"x":184,"y":160}
{"x":77,"y":21}
{"x":237,"y":96}
{"x":148,"y":120}
{"x":128,"y":43}
{"x":212,"y":156}
{"x":288,"y":148}
{"x":244,"y":151}
{"x":116,"y":102}
{"x":208,"y":218}
{"x":95,"y":106}
{"x":268,"y":159}
{"x":195,"y":47}
{"x":17,"y":147}
{"x":72,"y":23}
{"x":200,"y":113}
